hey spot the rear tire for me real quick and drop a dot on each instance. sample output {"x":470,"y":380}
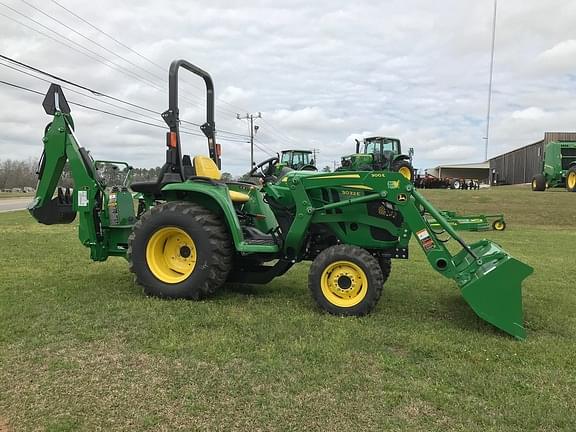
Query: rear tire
{"x":180,"y":250}
{"x":346,"y":280}
{"x":455,"y":184}
{"x":538,"y":183}
{"x":571,"y":179}
{"x":405,"y":168}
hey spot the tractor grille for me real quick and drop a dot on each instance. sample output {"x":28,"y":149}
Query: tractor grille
{"x":568,"y":152}
{"x":568,"y":156}
{"x":566,"y":162}
{"x":384,"y":210}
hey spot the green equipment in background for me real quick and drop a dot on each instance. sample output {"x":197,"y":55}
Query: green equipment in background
{"x":379,"y":154}
{"x":193,"y":232}
{"x":480,"y":222}
{"x":300,"y":160}
{"x":558,"y":167}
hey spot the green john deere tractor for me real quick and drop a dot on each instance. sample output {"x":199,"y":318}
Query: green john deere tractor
{"x":379,"y":154}
{"x":558,"y":167}
{"x":193,"y":232}
{"x":299,"y":160}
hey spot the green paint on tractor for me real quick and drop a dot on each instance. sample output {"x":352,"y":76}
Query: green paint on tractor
{"x":558,"y":167}
{"x":193,"y":232}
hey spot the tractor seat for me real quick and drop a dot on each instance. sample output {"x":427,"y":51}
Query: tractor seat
{"x":155,"y":187}
{"x":205,"y":167}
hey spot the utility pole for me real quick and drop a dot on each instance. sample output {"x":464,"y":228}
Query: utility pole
{"x":251,"y":118}
{"x":314,"y":152}
{"x":490,"y":81}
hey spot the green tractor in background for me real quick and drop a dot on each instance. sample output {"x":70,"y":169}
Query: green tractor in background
{"x":193,"y":232}
{"x":558,"y":167}
{"x":379,"y":154}
{"x":299,"y":160}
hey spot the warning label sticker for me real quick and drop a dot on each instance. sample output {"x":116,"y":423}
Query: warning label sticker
{"x":82,"y":198}
{"x":425,"y":239}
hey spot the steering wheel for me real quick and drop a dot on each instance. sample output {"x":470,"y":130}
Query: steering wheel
{"x":268,"y":171}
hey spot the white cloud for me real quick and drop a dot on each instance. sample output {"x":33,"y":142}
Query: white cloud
{"x":532,"y":113}
{"x":321,"y":73}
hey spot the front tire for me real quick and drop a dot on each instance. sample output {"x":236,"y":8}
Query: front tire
{"x":571,"y":179}
{"x":346,"y":280}
{"x":180,"y":250}
{"x":538,"y":183}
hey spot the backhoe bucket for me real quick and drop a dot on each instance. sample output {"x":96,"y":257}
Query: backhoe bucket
{"x":492,"y":285}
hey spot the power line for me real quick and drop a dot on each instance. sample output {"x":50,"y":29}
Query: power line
{"x":262,"y":149}
{"x":122,"y":44}
{"x":97,"y":57}
{"x":105,"y":48}
{"x":56,"y":77}
{"x":250,"y":118}
{"x":108,"y":35}
{"x":95,"y":92}
{"x":106,"y":61}
{"x":89,"y":39}
{"x":147,"y":59}
{"x":93,"y":54}
{"x":105,"y":111}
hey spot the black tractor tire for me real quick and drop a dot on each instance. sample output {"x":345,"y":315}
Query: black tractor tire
{"x":405,"y":168}
{"x":385,"y":267}
{"x":210,"y":248}
{"x":571,"y":179}
{"x":455,"y":184}
{"x":346,"y":280}
{"x":538,"y":183}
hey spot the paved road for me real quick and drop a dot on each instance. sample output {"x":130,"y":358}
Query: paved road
{"x":12,"y":204}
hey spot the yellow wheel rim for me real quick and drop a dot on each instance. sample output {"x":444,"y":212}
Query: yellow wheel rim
{"x":344,"y":284}
{"x":498,"y":225}
{"x":171,"y":255}
{"x":406,"y":172}
{"x":533,"y":184}
{"x":572,"y":180}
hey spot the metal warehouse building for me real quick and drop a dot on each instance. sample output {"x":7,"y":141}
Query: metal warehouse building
{"x":520,"y":165}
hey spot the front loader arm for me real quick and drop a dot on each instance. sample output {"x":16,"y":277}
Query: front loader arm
{"x":489,"y":279}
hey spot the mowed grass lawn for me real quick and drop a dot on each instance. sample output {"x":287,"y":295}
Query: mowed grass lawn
{"x":81,"y":348}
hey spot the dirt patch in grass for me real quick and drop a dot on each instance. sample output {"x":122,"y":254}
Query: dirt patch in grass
{"x":4,"y":425}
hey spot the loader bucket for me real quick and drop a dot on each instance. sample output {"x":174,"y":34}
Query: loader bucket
{"x":492,"y":286}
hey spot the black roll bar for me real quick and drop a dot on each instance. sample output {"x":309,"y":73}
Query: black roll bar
{"x":172,"y":116}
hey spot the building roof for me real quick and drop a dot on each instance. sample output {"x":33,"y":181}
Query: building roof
{"x":478,"y":165}
{"x":548,"y":137}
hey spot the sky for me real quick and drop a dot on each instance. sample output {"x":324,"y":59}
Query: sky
{"x":321,"y":73}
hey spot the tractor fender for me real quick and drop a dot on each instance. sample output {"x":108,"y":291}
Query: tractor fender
{"x":401,"y":157}
{"x":212,"y":195}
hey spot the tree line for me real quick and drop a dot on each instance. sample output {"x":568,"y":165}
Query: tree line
{"x":23,"y":173}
